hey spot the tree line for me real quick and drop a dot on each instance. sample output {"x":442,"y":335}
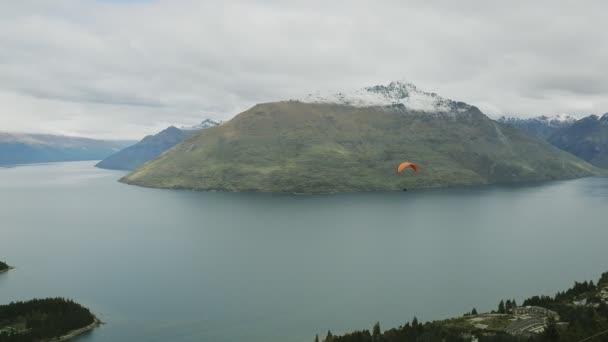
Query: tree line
{"x":44,"y":319}
{"x":583,"y":322}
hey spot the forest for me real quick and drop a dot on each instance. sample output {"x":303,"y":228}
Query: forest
{"x":581,"y":322}
{"x":42,"y":319}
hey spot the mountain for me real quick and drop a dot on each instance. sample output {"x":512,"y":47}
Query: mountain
{"x":204,"y":124}
{"x":354,"y":142}
{"x":22,"y":148}
{"x":541,"y":126}
{"x":151,"y":147}
{"x":403,"y":94}
{"x":586,"y":138}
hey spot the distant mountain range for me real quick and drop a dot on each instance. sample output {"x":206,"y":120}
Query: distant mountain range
{"x":586,"y":138}
{"x":353,"y":141}
{"x":152,"y":146}
{"x":22,"y":148}
{"x":541,"y":126}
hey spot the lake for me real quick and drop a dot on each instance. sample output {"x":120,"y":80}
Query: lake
{"x":162,"y":265}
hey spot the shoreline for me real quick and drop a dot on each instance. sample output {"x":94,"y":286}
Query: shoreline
{"x":74,"y":333}
{"x":443,"y":186}
{"x":8,"y":269}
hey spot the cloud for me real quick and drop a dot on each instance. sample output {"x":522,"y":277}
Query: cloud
{"x":126,"y":68}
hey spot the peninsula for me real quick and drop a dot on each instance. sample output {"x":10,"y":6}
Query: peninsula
{"x":44,"y":320}
{"x":4,"y":267}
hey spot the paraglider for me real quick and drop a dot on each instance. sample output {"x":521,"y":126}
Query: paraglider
{"x":405,"y":165}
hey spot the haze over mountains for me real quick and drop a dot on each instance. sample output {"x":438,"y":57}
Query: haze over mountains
{"x":152,"y":146}
{"x":353,"y":141}
{"x":586,"y":138}
{"x":348,"y":123}
{"x":23,"y":148}
{"x":541,"y":126}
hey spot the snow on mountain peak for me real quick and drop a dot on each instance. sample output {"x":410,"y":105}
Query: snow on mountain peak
{"x":395,"y":93}
{"x":563,"y":117}
{"x":204,"y":124}
{"x":558,"y":120}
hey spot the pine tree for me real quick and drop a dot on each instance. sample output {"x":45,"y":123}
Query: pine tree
{"x":551,"y":334}
{"x":317,"y":338}
{"x":513,"y":303}
{"x":474,"y":312}
{"x":329,"y":337}
{"x":415,"y":322}
{"x":501,"y":307}
{"x":376,"y":332}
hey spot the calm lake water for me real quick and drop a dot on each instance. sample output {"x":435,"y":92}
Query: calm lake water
{"x":159,"y":265}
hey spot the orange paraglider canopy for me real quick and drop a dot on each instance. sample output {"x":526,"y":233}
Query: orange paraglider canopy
{"x":402,"y":167}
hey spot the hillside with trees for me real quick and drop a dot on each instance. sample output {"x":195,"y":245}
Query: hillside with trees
{"x":572,"y":315}
{"x":42,"y":319}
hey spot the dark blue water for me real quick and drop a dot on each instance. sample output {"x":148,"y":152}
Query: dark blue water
{"x":160,"y":265}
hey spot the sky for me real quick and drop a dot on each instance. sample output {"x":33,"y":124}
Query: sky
{"x":122,"y":69}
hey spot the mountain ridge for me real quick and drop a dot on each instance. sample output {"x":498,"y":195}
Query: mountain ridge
{"x":303,"y":147}
{"x":396,"y":93}
{"x":586,"y":138}
{"x":25,"y":148}
{"x":152,"y":146}
{"x":543,"y":126}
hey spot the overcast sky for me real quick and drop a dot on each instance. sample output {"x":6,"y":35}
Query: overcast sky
{"x":127,"y":68}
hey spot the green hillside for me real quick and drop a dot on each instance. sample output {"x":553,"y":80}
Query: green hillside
{"x":314,"y":147}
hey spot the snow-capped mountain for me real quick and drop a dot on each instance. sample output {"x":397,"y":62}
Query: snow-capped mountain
{"x":567,"y":118}
{"x":586,"y":138}
{"x":541,"y":126}
{"x":558,"y":120}
{"x":204,"y":124}
{"x":395,"y":93}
